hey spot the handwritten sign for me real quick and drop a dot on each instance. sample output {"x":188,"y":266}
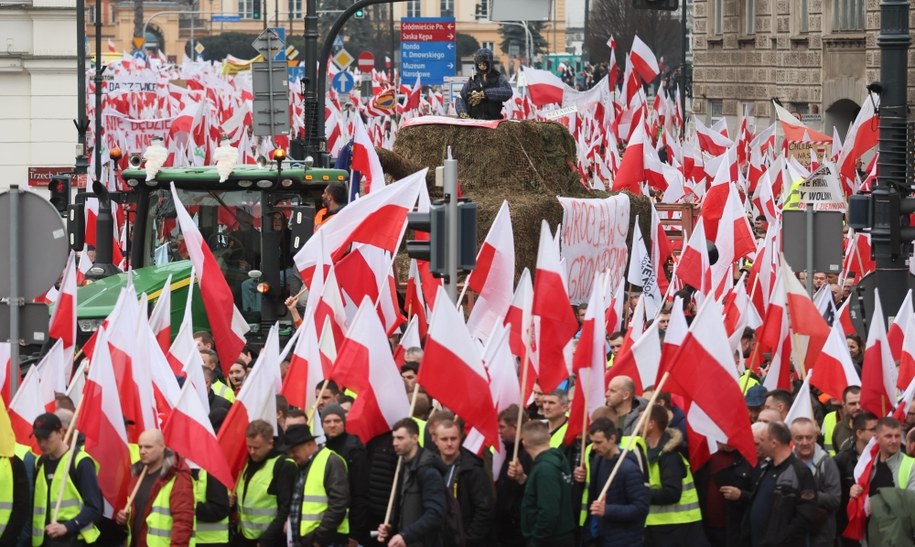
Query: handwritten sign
{"x":593,"y":240}
{"x":135,"y":135}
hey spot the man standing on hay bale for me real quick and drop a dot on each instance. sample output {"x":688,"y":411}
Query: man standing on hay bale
{"x":483,"y":94}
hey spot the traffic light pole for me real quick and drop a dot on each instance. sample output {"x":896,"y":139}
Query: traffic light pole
{"x":451,"y":200}
{"x":891,"y":248}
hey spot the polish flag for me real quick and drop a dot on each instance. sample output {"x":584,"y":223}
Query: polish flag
{"x":631,"y":172}
{"x":63,"y":319}
{"x":255,"y":401}
{"x":693,"y":268}
{"x":414,"y":301}
{"x":493,"y":277}
{"x":503,"y":384}
{"x":152,"y":367}
{"x":54,"y":368}
{"x":861,"y":137}
{"x":101,"y":421}
{"x":795,"y":130}
{"x":614,"y":314}
{"x":228,"y":325}
{"x":365,"y":158}
{"x":588,"y":364}
{"x":410,"y":339}
{"x":643,"y":60}
{"x":413,"y":96}
{"x":160,"y":320}
{"x":543,"y":87}
{"x":844,"y":315}
{"x":643,"y":359}
{"x":365,"y":365}
{"x":710,"y":141}
{"x":378,"y":219}
{"x":553,"y":319}
{"x":6,"y":373}
{"x":305,"y":370}
{"x":703,"y":372}
{"x":188,"y":432}
{"x":366,"y":273}
{"x":896,"y":332}
{"x":183,"y":355}
{"x":857,"y":509}
{"x":739,"y":314}
{"x":677,"y":329}
{"x":32,"y":399}
{"x":452,"y":368}
{"x":878,"y":372}
{"x":775,"y":336}
{"x":734,"y":239}
{"x":519,"y":320}
{"x":834,"y":369}
{"x":808,"y":327}
{"x":330,"y":307}
{"x":907,"y":357}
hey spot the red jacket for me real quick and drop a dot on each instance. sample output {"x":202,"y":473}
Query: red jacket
{"x":181,"y":502}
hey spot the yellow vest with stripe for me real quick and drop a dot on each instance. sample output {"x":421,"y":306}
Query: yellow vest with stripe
{"x":314,"y":498}
{"x":422,"y":431}
{"x":256,"y":507}
{"x":223,"y":391}
{"x":159,"y":521}
{"x":904,"y":471}
{"x":6,"y":493}
{"x":686,"y":510}
{"x":746,"y":381}
{"x":638,"y":448}
{"x":559,"y":435}
{"x":22,"y":450}
{"x":70,"y":505}
{"x":829,"y":427}
{"x":207,"y":533}
{"x":134,"y":450}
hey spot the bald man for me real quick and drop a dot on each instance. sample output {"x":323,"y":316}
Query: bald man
{"x":621,"y":398}
{"x":164,"y":503}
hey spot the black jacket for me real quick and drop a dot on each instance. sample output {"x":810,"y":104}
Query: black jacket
{"x":421,"y":501}
{"x":382,"y":462}
{"x":623,"y":522}
{"x":724,"y":469}
{"x":353,"y":452}
{"x":474,"y":493}
{"x":507,"y":511}
{"x":282,"y":485}
{"x":846,"y":460}
{"x":216,"y":506}
{"x":793,"y":510}
{"x":496,"y":88}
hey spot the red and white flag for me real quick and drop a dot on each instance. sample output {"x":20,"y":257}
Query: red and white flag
{"x":861,"y":137}
{"x":410,"y":339}
{"x":503,"y":385}
{"x":54,"y":368}
{"x":160,"y":319}
{"x":452,"y":368}
{"x":414,"y":300}
{"x":63,"y":320}
{"x":878,"y":372}
{"x":588,"y":364}
{"x":101,"y":421}
{"x":493,"y":277}
{"x":693,"y":268}
{"x":188,"y":431}
{"x":907,"y":358}
{"x":32,"y":399}
{"x":834,"y":369}
{"x":365,"y":158}
{"x":228,"y":325}
{"x":543,"y":87}
{"x":305,"y":370}
{"x":896,"y":332}
{"x":809,"y":329}
{"x":554,"y":321}
{"x":643,"y":60}
{"x":365,"y":365}
{"x":255,"y":401}
{"x":631,"y":172}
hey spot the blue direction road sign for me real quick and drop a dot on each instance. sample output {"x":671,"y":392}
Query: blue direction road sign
{"x":427,"y":49}
{"x":226,"y":18}
{"x":343,"y":82}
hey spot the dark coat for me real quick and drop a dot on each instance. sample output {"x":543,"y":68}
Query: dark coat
{"x":475,"y":496}
{"x":794,"y":506}
{"x":667,"y":455}
{"x":722,"y":524}
{"x":180,"y":502}
{"x":336,"y":487}
{"x":353,"y":452}
{"x":382,"y":462}
{"x":546,"y":509}
{"x":421,"y":502}
{"x":507,"y":511}
{"x":492,"y":83}
{"x":623,"y":522}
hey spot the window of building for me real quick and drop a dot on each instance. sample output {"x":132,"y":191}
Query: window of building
{"x":717,"y":16}
{"x":803,"y":17}
{"x":447,"y":8}
{"x":716,"y":108}
{"x":246,"y":8}
{"x":489,"y":45}
{"x":482,"y":10}
{"x":847,"y":15}
{"x":295,"y":9}
{"x":414,"y":8}
{"x":749,"y":17}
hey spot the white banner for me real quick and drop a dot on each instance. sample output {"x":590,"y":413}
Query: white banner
{"x":593,"y":237}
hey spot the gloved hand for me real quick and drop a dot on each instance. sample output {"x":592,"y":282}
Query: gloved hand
{"x":463,"y":115}
{"x":476,"y":97}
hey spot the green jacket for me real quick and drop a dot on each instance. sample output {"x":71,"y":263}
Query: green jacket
{"x":892,"y":521}
{"x":546,"y":508}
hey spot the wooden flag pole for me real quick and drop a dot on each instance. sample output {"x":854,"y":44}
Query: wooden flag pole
{"x":314,"y":407}
{"x":524,"y":367}
{"x":63,"y":484}
{"x":136,"y":488}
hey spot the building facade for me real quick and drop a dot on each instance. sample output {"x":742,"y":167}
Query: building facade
{"x":37,"y":87}
{"x":815,"y":56}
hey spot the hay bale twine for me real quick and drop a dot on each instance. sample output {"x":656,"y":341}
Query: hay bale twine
{"x":528,"y":163}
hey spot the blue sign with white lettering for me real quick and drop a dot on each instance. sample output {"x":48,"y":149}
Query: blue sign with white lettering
{"x":427,"y":49}
{"x":226,"y":18}
{"x":343,"y":82}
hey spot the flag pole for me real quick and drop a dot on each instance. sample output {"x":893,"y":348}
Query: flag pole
{"x":136,"y":488}
{"x":584,"y":423}
{"x":70,"y":436}
{"x":463,"y":292}
{"x":390,"y":508}
{"x":524,"y":367}
{"x":643,"y":419}
{"x":314,"y":407}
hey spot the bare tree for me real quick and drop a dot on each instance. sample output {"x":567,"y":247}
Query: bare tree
{"x":660,"y":30}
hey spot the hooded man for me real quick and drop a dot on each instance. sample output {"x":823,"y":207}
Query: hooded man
{"x":483,"y":94}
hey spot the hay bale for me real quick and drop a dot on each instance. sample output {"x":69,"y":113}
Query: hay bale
{"x":528,"y":163}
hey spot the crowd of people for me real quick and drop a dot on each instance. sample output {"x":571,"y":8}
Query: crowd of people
{"x":629,"y":483}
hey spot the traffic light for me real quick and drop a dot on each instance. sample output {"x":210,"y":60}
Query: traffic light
{"x":668,"y":5}
{"x":59,"y":188}
{"x":256,"y":10}
{"x":884,"y":213}
{"x":433,"y":250}
{"x":467,"y":235}
{"x":360,"y":13}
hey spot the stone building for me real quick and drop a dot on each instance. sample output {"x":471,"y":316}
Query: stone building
{"x":815,"y":56}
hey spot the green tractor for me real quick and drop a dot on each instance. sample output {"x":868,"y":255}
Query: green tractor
{"x":254,"y":223}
